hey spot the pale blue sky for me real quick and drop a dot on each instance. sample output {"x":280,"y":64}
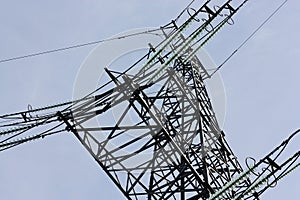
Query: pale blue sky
{"x":261,"y":82}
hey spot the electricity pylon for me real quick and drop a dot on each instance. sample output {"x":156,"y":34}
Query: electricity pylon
{"x":152,"y":128}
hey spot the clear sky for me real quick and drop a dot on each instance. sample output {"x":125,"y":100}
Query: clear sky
{"x":261,"y":83}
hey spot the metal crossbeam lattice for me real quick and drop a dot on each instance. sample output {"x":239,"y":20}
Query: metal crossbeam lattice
{"x":164,"y":141}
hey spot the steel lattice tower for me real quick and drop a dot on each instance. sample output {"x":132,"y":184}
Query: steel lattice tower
{"x":174,"y":147}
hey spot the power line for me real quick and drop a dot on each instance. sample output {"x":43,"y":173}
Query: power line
{"x":151,"y":31}
{"x":250,"y":36}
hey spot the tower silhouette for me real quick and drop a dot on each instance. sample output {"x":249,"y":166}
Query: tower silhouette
{"x":165,"y":141}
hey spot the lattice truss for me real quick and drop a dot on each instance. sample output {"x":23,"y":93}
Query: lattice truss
{"x":155,"y":132}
